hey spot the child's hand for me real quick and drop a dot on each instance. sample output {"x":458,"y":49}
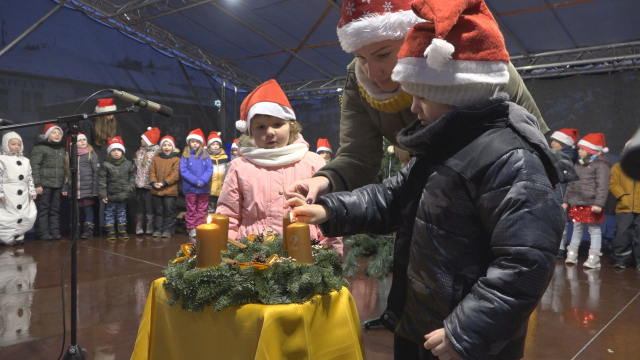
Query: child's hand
{"x":199,"y":185}
{"x":64,"y":193}
{"x":105,"y":200}
{"x":565,"y":206}
{"x":32,"y":197}
{"x":440,"y":346}
{"x":39,"y":190}
{"x":3,"y":199}
{"x":157,"y":185}
{"x":596,"y":209}
{"x":311,"y":214}
{"x":293,"y":200}
{"x":94,"y":194}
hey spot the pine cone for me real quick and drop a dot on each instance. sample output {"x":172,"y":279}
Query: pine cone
{"x":259,"y":258}
{"x":259,"y":238}
{"x":315,"y":242}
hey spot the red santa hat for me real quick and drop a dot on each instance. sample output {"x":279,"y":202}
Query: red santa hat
{"x":323,"y":145}
{"x":566,"y":136}
{"x":457,"y":57}
{"x":81,"y":136}
{"x":115,"y":143}
{"x":105,"y":105}
{"x":592,"y":143}
{"x":169,"y":139}
{"x":214,"y":136}
{"x":49,"y":128}
{"x":196,"y":134}
{"x":369,"y":21}
{"x":151,"y":136}
{"x":266,"y":99}
{"x":234,"y":145}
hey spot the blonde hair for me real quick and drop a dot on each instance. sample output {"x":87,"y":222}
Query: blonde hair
{"x":295,"y":128}
{"x":186,"y":153}
{"x":104,"y":130}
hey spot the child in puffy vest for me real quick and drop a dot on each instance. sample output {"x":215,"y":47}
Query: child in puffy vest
{"x":196,"y":171}
{"x":219,"y":161}
{"x":252,"y":192}
{"x":17,"y":192}
{"x":88,"y":173}
{"x":142,"y":160}
{"x":49,"y":163}
{"x":116,"y":183}
{"x":585,"y":198}
{"x":164,"y":174}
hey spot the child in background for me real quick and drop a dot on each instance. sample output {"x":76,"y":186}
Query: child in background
{"x":234,"y":150}
{"x":142,"y":160}
{"x":564,"y":140}
{"x":88,"y":173}
{"x":585,"y":198}
{"x":219,"y":161}
{"x":252,"y":193}
{"x":196,"y":171}
{"x":323,"y":148}
{"x":164,"y":174}
{"x":17,"y":192}
{"x":117,"y":181}
{"x":49,"y":164}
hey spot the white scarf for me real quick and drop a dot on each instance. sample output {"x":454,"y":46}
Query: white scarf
{"x":275,"y":157}
{"x":372,"y":88}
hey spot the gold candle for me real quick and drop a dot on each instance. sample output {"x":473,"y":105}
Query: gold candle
{"x":207,"y":245}
{"x":223,"y":222}
{"x":286,"y":221}
{"x":299,"y":243}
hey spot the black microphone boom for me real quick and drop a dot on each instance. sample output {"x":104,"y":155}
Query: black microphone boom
{"x":160,"y":109}
{"x":5,"y":122}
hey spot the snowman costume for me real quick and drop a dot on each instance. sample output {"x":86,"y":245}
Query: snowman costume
{"x":17,"y":211}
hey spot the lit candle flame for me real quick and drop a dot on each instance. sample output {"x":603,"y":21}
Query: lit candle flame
{"x":209,"y":219}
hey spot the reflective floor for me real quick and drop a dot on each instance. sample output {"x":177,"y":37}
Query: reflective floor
{"x":591,"y":314}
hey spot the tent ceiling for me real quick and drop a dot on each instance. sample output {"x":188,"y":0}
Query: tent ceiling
{"x":294,"y":41}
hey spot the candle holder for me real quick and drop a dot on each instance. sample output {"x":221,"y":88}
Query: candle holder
{"x":299,"y":243}
{"x":207,"y":245}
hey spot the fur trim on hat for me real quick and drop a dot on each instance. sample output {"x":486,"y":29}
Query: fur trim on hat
{"x":375,"y":28}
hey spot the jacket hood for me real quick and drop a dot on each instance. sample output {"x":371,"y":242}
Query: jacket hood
{"x":300,"y":140}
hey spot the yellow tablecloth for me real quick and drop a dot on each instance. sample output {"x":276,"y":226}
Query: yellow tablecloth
{"x":326,"y":327}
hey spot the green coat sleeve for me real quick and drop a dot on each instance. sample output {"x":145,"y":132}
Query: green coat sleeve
{"x":37,"y":156}
{"x":519,"y":94}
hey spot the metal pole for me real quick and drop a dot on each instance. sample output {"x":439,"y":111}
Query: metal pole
{"x":223,"y":104}
{"x":235,"y":109}
{"x":33,"y":27}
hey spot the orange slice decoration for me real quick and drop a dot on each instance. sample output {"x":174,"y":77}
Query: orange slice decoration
{"x":269,"y":238}
{"x":187,"y":250}
{"x":273,"y":259}
{"x":251,"y":237}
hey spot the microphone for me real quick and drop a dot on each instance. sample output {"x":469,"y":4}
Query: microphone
{"x":630,"y":159}
{"x":6,"y":122}
{"x":160,"y":109}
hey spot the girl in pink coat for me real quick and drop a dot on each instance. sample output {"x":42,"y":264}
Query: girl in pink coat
{"x":252,"y":194}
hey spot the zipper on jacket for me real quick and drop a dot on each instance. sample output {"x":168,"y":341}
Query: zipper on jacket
{"x":633,"y":198}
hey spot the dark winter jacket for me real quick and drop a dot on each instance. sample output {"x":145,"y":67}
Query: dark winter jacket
{"x":88,"y":173}
{"x":593,"y":186}
{"x":48,"y":163}
{"x":196,"y":172}
{"x":478,"y":227}
{"x":117,"y":179}
{"x":561,"y":188}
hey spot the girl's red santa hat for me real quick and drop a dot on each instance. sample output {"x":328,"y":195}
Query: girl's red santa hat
{"x":115,"y":143}
{"x":266,"y":99}
{"x":566,"y":136}
{"x":369,"y":21}
{"x":196,"y":134}
{"x":235,"y":144}
{"x":457,"y":57}
{"x":49,"y":128}
{"x":593,"y":143}
{"x":169,"y":139}
{"x":105,"y":105}
{"x":81,"y":136}
{"x":151,"y":136}
{"x":323,"y":145}
{"x":214,"y":136}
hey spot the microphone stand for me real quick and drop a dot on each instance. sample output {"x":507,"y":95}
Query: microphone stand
{"x":74,"y":352}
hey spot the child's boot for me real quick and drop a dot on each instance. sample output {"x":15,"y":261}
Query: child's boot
{"x":593,"y":261}
{"x":572,"y":255}
{"x":111,"y":232}
{"x":122,"y":231}
{"x":150,"y":226}
{"x":87,"y":231}
{"x":139,"y":230}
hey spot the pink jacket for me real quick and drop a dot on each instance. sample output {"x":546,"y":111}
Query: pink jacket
{"x":250,"y":196}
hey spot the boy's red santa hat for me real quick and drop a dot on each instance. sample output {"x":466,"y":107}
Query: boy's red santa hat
{"x":369,"y":21}
{"x":151,"y":136}
{"x":214,"y":136}
{"x":592,"y":143}
{"x":105,"y":105}
{"x":457,"y":57}
{"x":323,"y":145}
{"x":566,"y":136}
{"x":235,"y":144}
{"x":169,"y":139}
{"x":115,"y":143}
{"x":266,"y":99}
{"x":196,"y":134}
{"x":49,"y":128}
